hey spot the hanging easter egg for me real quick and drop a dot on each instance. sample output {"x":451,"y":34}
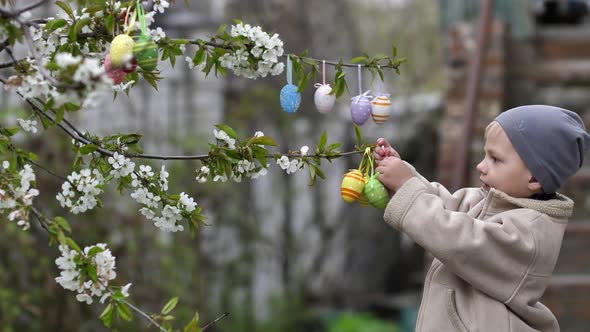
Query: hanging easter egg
{"x":376,"y":193}
{"x":324,"y":101}
{"x":146,"y":53}
{"x":115,"y":74}
{"x":290,"y":98}
{"x":380,"y":109}
{"x":352,"y":186}
{"x":130,"y":66}
{"x":121,"y":50}
{"x":360,"y":109}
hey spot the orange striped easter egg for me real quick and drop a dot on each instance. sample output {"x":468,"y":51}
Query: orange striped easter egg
{"x":380,"y":109}
{"x":352,"y":186}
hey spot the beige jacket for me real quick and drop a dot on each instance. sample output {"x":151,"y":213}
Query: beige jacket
{"x":493,"y":253}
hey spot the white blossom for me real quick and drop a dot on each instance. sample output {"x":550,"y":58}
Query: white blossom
{"x":28,"y":125}
{"x":223,"y":136}
{"x":304,"y":150}
{"x":161,"y":5}
{"x":158,"y":34}
{"x":71,"y":277}
{"x":80,"y":191}
{"x":283,"y":162}
{"x":121,"y":166}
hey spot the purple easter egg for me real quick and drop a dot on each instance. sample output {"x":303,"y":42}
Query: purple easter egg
{"x":360,"y":109}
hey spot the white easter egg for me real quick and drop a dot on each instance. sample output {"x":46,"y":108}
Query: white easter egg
{"x":324,"y":101}
{"x":380,"y":109}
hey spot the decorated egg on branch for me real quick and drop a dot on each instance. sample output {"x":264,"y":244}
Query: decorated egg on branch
{"x":146,"y":53}
{"x":381,"y":108}
{"x":376,"y":193}
{"x":324,"y":101}
{"x":352,"y":186}
{"x":290,"y":98}
{"x":121,"y":50}
{"x":115,"y":74}
{"x":360,"y":108}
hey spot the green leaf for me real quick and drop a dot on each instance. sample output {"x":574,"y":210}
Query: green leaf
{"x":88,"y":148}
{"x":221,"y":29}
{"x":94,"y":251}
{"x":228,"y":130}
{"x":359,"y":133}
{"x":333,"y":146}
{"x":72,"y":244}
{"x":107,"y":315}
{"x":109,"y":23}
{"x":358,"y":59}
{"x":263,"y":140}
{"x":169,"y":306}
{"x":55,"y":24}
{"x":63,"y":223}
{"x":193,"y":325}
{"x":66,"y":7}
{"x":10,"y":131}
{"x":124,"y":312}
{"x":200,"y":56}
{"x":323,"y":141}
{"x":91,"y":271}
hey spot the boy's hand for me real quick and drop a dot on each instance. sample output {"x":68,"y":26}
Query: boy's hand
{"x":383,"y":150}
{"x":393,"y":173}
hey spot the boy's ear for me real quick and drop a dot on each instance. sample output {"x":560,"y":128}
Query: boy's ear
{"x":535,"y":186}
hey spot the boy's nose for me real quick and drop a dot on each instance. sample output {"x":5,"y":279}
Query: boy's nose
{"x":481,"y":167}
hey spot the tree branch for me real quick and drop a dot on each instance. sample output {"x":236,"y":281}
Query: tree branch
{"x":146,"y":316}
{"x":332,"y":63}
{"x":214,"y":321}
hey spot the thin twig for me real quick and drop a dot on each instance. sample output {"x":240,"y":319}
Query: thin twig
{"x":214,"y":321}
{"x":146,"y":316}
{"x":11,"y":63}
{"x":29,"y":7}
{"x":48,"y":171}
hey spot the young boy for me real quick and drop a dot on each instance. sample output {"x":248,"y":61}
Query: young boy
{"x":495,"y":247}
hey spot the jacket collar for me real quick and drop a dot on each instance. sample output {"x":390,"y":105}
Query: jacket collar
{"x":561,"y":206}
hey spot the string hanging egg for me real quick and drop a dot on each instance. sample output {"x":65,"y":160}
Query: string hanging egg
{"x":290,"y":97}
{"x":352,"y":186}
{"x":324,"y":101}
{"x":360,"y":108}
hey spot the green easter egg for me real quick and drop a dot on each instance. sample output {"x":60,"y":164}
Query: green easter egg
{"x":376,"y":193}
{"x":146,"y":53}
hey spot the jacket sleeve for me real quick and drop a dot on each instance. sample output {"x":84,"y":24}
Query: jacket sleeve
{"x":493,"y":255}
{"x":461,"y":201}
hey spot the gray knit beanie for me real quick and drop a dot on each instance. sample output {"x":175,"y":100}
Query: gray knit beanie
{"x":551,"y":141}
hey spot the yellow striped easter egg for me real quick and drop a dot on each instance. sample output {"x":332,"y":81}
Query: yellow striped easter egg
{"x":121,"y":50}
{"x":363,"y":200}
{"x":352,"y":186}
{"x":380,"y":109}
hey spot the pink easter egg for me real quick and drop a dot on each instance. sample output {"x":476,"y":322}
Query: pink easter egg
{"x":115,"y":74}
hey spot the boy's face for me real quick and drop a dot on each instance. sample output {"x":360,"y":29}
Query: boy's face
{"x":502,"y":167}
